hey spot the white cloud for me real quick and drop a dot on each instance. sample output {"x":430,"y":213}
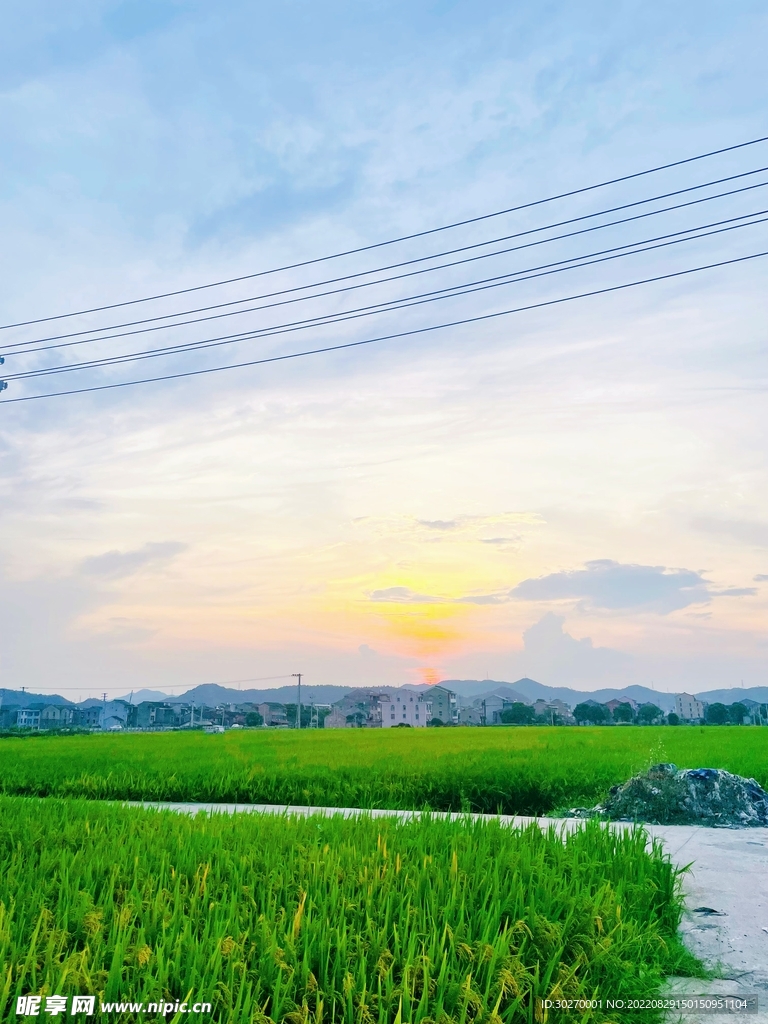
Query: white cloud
{"x":554,"y":656}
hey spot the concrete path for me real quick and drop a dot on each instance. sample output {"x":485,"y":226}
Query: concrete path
{"x":726,"y":890}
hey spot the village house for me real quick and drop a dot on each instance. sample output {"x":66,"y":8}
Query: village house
{"x":274,"y":714}
{"x":444,"y":704}
{"x":152,"y":714}
{"x":115,"y":715}
{"x":554,"y":711}
{"x":688,"y":708}
{"x":29,"y":717}
{"x":337,"y":719}
{"x":471,"y":716}
{"x":56,"y":716}
{"x":87,"y":717}
{"x":491,"y":709}
{"x":404,"y":707}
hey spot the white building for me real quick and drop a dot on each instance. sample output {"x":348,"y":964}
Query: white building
{"x":404,"y":707}
{"x":28,"y":718}
{"x":114,"y":715}
{"x":688,"y":708}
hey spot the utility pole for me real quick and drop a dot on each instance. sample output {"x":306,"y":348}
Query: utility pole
{"x":297,"y":675}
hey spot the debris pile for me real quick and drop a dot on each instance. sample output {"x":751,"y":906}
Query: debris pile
{"x":666,"y":795}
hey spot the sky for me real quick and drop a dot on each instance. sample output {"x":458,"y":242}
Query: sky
{"x":575,"y":493}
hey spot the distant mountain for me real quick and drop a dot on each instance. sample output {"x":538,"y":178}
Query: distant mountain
{"x":21,"y":697}
{"x":530,"y":690}
{"x":468,"y":690}
{"x":735,"y":694}
{"x":505,"y":691}
{"x":641,"y":694}
{"x":137,"y":696}
{"x":212,"y":694}
{"x":473,"y":688}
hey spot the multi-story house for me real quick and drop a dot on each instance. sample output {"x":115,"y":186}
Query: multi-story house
{"x":688,"y":708}
{"x":492,"y":708}
{"x":116,"y":714}
{"x":273,"y":713}
{"x":555,"y":711}
{"x":404,"y":707}
{"x":150,"y":714}
{"x":29,"y":717}
{"x":445,"y":705}
{"x":87,"y":717}
{"x":56,"y":716}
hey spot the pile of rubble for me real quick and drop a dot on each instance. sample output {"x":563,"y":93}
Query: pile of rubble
{"x":665,"y":795}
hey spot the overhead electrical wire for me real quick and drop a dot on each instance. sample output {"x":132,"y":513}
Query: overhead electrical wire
{"x":514,"y":277}
{"x":401,"y":238}
{"x":390,"y":337}
{"x":24,"y":346}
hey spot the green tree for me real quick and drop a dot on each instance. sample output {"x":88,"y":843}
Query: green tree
{"x":253,"y":718}
{"x":518,"y":714}
{"x":435,"y":722}
{"x":737,"y":713}
{"x":596,"y":714}
{"x":649,"y":713}
{"x":623,"y":712}
{"x":673,"y":719}
{"x":717,"y":714}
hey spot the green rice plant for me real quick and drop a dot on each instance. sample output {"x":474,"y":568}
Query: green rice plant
{"x":513,"y":770}
{"x":323,"y":919}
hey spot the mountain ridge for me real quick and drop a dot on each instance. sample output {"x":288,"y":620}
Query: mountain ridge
{"x":525,"y":689}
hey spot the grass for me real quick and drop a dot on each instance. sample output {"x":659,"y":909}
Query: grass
{"x":513,"y":770}
{"x":310,"y":920}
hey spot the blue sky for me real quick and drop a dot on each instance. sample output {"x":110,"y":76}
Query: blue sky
{"x":245,"y":524}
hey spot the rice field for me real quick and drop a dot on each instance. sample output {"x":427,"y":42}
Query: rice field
{"x":310,"y":920}
{"x":512,"y":770}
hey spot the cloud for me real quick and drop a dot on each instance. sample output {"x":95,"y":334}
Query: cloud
{"x":601,"y":584}
{"x":115,"y":565}
{"x":761,"y":577}
{"x":366,"y":651}
{"x":438,"y":524}
{"x":607,"y":584}
{"x":556,"y":656}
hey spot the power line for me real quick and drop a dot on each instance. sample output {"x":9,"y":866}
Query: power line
{"x":389,"y":337}
{"x":401,"y":238}
{"x":22,"y":347}
{"x":514,"y":277}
